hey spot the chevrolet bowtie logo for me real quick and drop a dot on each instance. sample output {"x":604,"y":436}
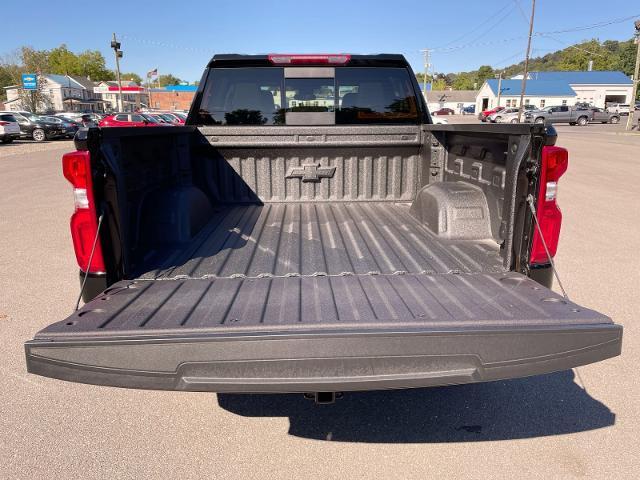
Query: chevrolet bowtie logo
{"x":312,"y":172}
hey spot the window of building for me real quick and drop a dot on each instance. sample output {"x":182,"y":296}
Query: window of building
{"x":564,"y":102}
{"x":526,"y":102}
{"x":508,"y":104}
{"x":542,"y":102}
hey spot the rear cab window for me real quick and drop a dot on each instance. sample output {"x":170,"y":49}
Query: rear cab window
{"x":308,"y":96}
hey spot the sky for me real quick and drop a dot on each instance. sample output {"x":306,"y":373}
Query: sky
{"x":180,"y":37}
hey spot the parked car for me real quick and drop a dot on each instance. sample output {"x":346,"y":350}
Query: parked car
{"x":246,"y":260}
{"x":90,"y":120}
{"x":173,"y":117}
{"x":444,"y":111}
{"x":482,"y":116}
{"x":180,"y":115}
{"x":559,"y":114}
{"x":9,"y":128}
{"x":619,"y":108}
{"x":129,"y":120}
{"x":497,"y":116}
{"x":470,"y":110}
{"x":600,"y":115}
{"x":509,"y":115}
{"x":166,"y":117}
{"x":34,"y":127}
{"x":159,"y":117}
{"x":70,"y":127}
{"x":83,"y":120}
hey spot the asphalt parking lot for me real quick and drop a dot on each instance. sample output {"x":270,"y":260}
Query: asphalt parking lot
{"x":578,"y":423}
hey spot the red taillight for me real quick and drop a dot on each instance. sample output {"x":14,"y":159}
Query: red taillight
{"x":554,"y":163}
{"x":4,"y":124}
{"x":76,"y":167}
{"x":298,"y":59}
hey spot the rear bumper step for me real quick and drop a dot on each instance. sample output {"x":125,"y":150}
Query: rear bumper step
{"x":321,"y":361}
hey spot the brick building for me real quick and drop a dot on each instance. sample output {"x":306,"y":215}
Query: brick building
{"x":175,"y":97}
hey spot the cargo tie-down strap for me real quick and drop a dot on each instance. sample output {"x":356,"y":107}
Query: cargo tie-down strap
{"x":532,"y":207}
{"x":93,"y":249}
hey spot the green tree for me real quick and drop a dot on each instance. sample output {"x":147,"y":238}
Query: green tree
{"x":63,"y":62}
{"x":93,"y":66}
{"x":169,"y":79}
{"x":11,"y":69}
{"x":134,"y":77}
{"x":465,"y":81}
{"x":35,"y":60}
{"x":6,"y":79}
{"x":485,"y":72}
{"x":438,"y":82}
{"x":625,"y":57}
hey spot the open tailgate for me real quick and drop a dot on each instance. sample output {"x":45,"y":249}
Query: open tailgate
{"x":322,"y":333}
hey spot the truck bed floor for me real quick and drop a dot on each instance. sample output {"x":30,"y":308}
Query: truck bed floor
{"x":305,"y":239}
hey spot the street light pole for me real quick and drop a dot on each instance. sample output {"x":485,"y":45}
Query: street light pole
{"x":499,"y":87}
{"x":526,"y":62}
{"x":118,"y":53}
{"x":636,"y":80}
{"x":426,"y":53}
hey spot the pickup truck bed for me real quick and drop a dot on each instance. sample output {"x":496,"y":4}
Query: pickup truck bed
{"x":307,"y":239}
{"x":313,"y":256}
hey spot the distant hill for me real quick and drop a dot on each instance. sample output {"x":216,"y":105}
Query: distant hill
{"x":606,"y":55}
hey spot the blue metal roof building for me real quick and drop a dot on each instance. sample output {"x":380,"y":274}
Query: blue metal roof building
{"x":595,"y":77}
{"x":535,"y":88}
{"x":181,"y":88}
{"x":599,"y":88}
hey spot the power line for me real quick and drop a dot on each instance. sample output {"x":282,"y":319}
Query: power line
{"x":523,"y":14}
{"x":477,"y":27}
{"x":484,"y":33}
{"x":154,"y":43}
{"x":480,"y":44}
{"x":604,"y":23}
{"x":573,"y":46}
{"x":536,"y":34}
{"x":504,"y":60}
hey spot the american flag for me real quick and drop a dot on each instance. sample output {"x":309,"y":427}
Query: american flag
{"x":152,"y":73}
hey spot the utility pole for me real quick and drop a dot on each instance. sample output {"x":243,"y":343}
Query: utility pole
{"x":636,"y":80}
{"x":526,"y":62}
{"x":426,"y":54}
{"x":499,"y":86}
{"x":118,"y":53}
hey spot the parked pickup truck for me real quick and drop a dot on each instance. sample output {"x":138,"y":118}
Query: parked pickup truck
{"x":310,"y":230}
{"x":560,"y":114}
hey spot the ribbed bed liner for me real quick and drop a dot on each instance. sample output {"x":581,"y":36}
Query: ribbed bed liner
{"x":314,"y":239}
{"x":321,"y":303}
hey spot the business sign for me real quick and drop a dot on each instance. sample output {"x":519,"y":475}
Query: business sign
{"x":112,"y":89}
{"x":29,"y":81}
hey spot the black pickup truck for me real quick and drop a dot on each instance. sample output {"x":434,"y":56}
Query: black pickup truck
{"x":310,"y":230}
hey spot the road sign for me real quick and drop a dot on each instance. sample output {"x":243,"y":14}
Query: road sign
{"x":29,"y":81}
